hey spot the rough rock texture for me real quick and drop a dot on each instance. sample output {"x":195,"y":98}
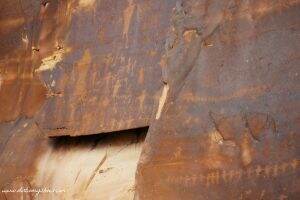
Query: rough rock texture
{"x":82,"y":67}
{"x":77,"y":67}
{"x":230,"y":123}
{"x":87,"y":167}
{"x":216,"y":81}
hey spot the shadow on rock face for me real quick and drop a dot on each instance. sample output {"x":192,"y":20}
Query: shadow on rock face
{"x":78,"y":167}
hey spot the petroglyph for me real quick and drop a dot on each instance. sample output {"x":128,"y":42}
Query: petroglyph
{"x":127,"y":16}
{"x":230,"y":176}
{"x":246,"y":92}
{"x":259,"y":122}
{"x":253,"y":124}
{"x":242,"y":129}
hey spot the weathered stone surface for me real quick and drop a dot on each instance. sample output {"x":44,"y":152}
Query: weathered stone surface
{"x":75,"y":68}
{"x":101,"y":166}
{"x":108,"y":76}
{"x":229,"y":126}
{"x":82,"y":67}
{"x":21,"y":93}
{"x":217,"y":81}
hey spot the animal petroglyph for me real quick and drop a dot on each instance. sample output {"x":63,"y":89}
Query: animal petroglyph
{"x":243,"y":130}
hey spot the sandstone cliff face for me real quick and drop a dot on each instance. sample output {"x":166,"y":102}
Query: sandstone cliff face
{"x":77,"y":68}
{"x":230,"y":125}
{"x":82,"y":67}
{"x":93,"y":167}
{"x":217,"y":82}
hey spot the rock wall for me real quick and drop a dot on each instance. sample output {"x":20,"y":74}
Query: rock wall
{"x":217,"y":82}
{"x":82,"y":67}
{"x":229,"y":127}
